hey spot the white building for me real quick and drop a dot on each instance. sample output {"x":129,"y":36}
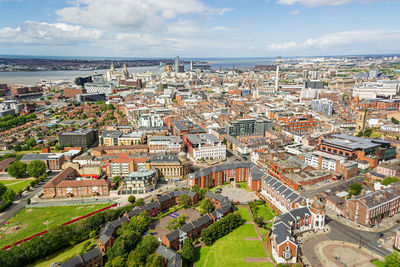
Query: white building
{"x":205,"y":146}
{"x":96,"y":88}
{"x":371,"y":90}
{"x":151,"y":120}
{"x":168,"y":144}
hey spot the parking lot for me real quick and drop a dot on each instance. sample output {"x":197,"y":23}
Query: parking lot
{"x":159,"y":227}
{"x":238,"y":194}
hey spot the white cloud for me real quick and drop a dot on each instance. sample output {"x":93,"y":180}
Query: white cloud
{"x":295,"y":12}
{"x":224,"y":10}
{"x":282,"y":46}
{"x":33,"y":32}
{"x":361,"y":37}
{"x":223,"y":28}
{"x":183,"y":27}
{"x":326,"y":2}
{"x":128,"y":15}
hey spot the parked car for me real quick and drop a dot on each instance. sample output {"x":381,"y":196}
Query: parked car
{"x":379,"y":235}
{"x":378,"y":244}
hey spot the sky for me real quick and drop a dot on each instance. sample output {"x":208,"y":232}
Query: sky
{"x":199,"y":28}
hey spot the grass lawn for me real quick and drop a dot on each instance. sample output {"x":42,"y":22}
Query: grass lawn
{"x":265,"y":212}
{"x":379,"y":263}
{"x":61,"y":256}
{"x":262,"y":231}
{"x":243,"y":211}
{"x":227,"y":252}
{"x":34,"y":220}
{"x":17,"y":184}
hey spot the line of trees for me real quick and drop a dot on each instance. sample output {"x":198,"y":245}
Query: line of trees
{"x":35,"y":168}
{"x":221,"y":228}
{"x":10,"y":121}
{"x":131,"y":249}
{"x":57,"y":238}
{"x":7,"y":195}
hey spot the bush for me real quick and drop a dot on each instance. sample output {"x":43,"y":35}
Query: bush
{"x":131,"y":199}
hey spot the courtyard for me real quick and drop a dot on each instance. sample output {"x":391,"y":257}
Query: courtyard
{"x":159,"y":228}
{"x":238,"y":194}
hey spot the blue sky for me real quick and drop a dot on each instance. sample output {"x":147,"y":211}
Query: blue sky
{"x":199,"y":28}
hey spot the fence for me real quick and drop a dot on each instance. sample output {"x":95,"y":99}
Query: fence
{"x":67,"y":223}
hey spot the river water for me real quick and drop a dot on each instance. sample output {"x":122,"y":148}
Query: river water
{"x":30,"y":78}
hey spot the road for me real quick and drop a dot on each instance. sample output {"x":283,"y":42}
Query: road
{"x":344,"y":233}
{"x":368,"y":240}
{"x":20,"y":202}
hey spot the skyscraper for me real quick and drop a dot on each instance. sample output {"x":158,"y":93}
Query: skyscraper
{"x":177,"y":64}
{"x":277,"y":62}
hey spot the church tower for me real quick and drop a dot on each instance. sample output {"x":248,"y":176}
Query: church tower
{"x":361,"y":122}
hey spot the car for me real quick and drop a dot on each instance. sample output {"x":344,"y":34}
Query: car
{"x":398,"y":221}
{"x":379,"y":235}
{"x":378,"y":244}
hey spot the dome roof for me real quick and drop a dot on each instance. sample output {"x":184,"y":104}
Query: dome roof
{"x":318,"y":205}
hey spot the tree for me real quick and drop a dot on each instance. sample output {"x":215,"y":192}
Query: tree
{"x":393,"y":259}
{"x":375,"y":135}
{"x":184,"y":201}
{"x":131,"y":199}
{"x":118,"y":262}
{"x":140,"y":202}
{"x":394,"y":120}
{"x":355,"y":189}
{"x":188,"y":250}
{"x":30,"y":142}
{"x":259,"y":220}
{"x":28,"y":201}
{"x":36,"y":168}
{"x":206,"y":205}
{"x":17,"y":169}
{"x":177,"y":222}
{"x":138,"y":256}
{"x":389,"y":180}
{"x":154,"y":260}
{"x":195,"y":188}
{"x":17,"y":148}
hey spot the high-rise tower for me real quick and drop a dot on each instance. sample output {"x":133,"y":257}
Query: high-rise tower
{"x":177,"y":64}
{"x":277,"y":63}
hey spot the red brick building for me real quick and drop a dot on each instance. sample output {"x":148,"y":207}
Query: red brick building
{"x":65,"y":184}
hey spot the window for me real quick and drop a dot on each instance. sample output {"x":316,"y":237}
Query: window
{"x":287,"y":254}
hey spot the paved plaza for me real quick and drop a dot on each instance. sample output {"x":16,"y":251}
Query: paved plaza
{"x":238,"y":194}
{"x":334,"y":253}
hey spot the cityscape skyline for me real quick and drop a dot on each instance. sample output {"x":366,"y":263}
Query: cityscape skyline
{"x":195,"y":28}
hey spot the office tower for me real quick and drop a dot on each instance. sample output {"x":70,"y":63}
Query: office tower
{"x":177,"y":64}
{"x":277,"y":62}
